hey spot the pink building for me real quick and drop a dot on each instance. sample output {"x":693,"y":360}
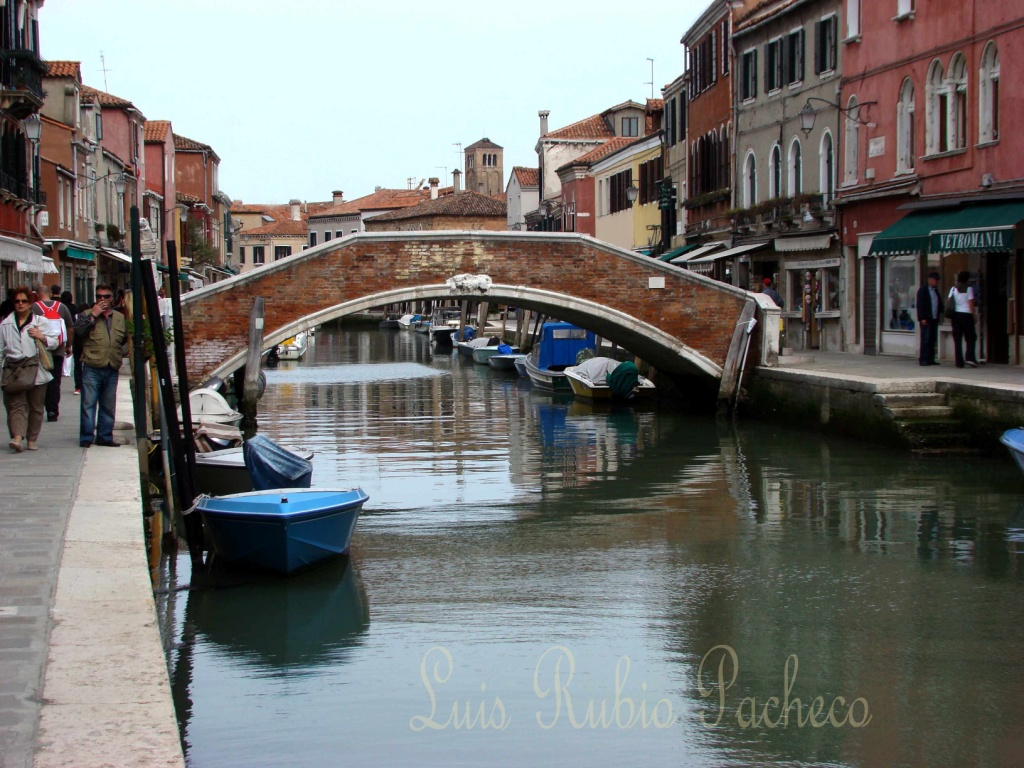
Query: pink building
{"x":931,"y":178}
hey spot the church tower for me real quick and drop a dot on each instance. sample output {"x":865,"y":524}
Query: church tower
{"x":484,"y":168}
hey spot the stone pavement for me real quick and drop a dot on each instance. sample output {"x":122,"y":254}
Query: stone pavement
{"x":83,"y":680}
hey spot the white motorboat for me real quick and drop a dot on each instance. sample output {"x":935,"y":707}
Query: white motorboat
{"x":293,"y":348}
{"x":209,"y":407}
{"x":603,"y":378}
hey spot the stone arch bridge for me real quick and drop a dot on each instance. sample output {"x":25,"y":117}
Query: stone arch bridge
{"x":686,"y":326}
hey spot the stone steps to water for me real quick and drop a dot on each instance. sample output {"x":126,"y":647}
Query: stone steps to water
{"x":918,"y":412}
{"x":924,"y":420}
{"x":908,"y":399}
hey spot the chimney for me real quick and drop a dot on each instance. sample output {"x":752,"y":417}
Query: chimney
{"x":434,"y":182}
{"x":296,"y":216}
{"x":457,"y":180}
{"x":544,"y":121}
{"x":337,"y":197}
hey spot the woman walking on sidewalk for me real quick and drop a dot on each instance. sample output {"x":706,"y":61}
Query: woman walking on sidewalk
{"x":25,"y":401}
{"x":963,"y":321}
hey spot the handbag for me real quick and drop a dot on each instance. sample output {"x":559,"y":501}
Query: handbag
{"x":45,"y":358}
{"x":950,"y":309}
{"x":19,"y":375}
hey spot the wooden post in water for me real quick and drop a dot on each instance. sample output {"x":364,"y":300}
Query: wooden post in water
{"x":251,"y":384}
{"x":521,"y":316}
{"x":462,"y":321}
{"x":482,"y":317}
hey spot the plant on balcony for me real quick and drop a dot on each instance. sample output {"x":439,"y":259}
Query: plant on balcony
{"x":114,"y":234}
{"x":201,"y":250}
{"x":715,"y":196}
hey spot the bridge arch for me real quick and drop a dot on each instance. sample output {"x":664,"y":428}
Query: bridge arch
{"x":682,"y":323}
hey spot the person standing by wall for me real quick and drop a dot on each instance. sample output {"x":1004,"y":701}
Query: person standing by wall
{"x":963,"y":322}
{"x":25,"y":395}
{"x":104,"y":334}
{"x":61,"y":320}
{"x":929,"y":315}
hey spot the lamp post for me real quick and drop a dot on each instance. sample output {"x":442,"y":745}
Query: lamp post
{"x":808,"y":113}
{"x":33,"y":132}
{"x":631,"y":193}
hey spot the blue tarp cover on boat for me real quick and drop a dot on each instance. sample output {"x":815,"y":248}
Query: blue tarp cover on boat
{"x":504,"y":349}
{"x":560,"y":343}
{"x":271,"y":466}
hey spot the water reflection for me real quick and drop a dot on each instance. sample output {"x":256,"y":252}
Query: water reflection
{"x":504,"y":522}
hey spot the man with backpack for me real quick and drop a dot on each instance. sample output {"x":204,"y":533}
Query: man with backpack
{"x":49,"y":305}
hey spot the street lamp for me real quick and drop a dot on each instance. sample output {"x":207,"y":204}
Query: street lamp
{"x":808,"y":113}
{"x":631,"y":193}
{"x":33,"y":128}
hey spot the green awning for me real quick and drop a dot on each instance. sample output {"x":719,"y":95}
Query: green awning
{"x":677,"y":252}
{"x":975,"y":227}
{"x":78,"y":253}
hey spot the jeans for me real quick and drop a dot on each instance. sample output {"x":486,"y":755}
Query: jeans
{"x":53,"y":388}
{"x":99,"y":388}
{"x":964,"y":335}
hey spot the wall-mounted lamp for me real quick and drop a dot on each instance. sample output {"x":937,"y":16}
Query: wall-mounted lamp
{"x":33,"y":128}
{"x":631,"y":193}
{"x":808,"y":113}
{"x":120,"y":181}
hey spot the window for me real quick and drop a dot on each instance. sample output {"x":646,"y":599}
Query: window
{"x":650,"y":174}
{"x":796,"y":169}
{"x":617,"y":185}
{"x":241,"y":254}
{"x":725,"y":47}
{"x":773,"y":65}
{"x":826,"y":167}
{"x":900,"y":286}
{"x":935,"y":124}
{"x":852,"y":18}
{"x":312,"y":239}
{"x":257,"y":254}
{"x":904,"y":8}
{"x":775,"y":172}
{"x":825,"y":45}
{"x":99,"y":124}
{"x":327,"y":235}
{"x":956,"y":106}
{"x":851,"y":159}
{"x":282,"y":252}
{"x":905,"y":128}
{"x":988,"y":95}
{"x":794,"y":56}
{"x":631,"y":126}
{"x":749,"y":181}
{"x":703,"y":65}
{"x":339,"y":233}
{"x":670,"y":122}
{"x":819,"y":282}
{"x":749,"y":85}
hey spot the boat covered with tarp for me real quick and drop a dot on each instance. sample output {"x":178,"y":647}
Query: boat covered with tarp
{"x":604,"y":378}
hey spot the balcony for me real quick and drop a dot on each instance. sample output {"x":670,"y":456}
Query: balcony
{"x":12,"y":187}
{"x":21,"y":82}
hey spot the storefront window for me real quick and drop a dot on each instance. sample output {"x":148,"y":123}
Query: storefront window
{"x":812,"y":287}
{"x":900,"y":290}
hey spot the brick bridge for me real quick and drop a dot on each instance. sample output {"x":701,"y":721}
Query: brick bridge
{"x":683,"y":324}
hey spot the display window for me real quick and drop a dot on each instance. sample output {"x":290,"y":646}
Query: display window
{"x":812,"y":288}
{"x":900,"y":283}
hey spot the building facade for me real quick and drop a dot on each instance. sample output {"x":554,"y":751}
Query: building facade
{"x":521,"y":195}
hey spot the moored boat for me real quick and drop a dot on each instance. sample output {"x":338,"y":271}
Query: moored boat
{"x":221,"y":473}
{"x":405,"y":322}
{"x":484,"y":353}
{"x":504,"y":362}
{"x":390,"y":324}
{"x":466,"y":347}
{"x":293,"y":348}
{"x":559,"y":346}
{"x":285,"y":529}
{"x":209,"y":407}
{"x":1013,"y":439}
{"x":603,"y":378}
{"x":520,"y":364}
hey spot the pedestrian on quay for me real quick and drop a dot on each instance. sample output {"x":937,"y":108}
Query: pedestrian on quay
{"x":23,"y":379}
{"x":62,"y":322}
{"x":7,"y":305}
{"x":76,"y":348}
{"x":772,"y":294}
{"x":929,"y":315}
{"x":963,"y":321}
{"x":104,"y":334}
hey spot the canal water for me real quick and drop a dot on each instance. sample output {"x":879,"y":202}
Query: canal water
{"x":537,"y":581}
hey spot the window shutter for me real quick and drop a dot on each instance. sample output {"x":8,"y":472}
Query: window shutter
{"x":819,"y":47}
{"x":799,"y":57}
{"x":767,"y":67}
{"x":753,"y":80}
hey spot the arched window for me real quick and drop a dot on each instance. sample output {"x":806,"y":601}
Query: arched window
{"x":905,"y":128}
{"x":796,"y":169}
{"x":956,"y":85}
{"x":851,"y":159}
{"x":775,"y":172}
{"x":988,"y":95}
{"x":750,"y":181}
{"x":826,"y":166}
{"x":935,"y":123}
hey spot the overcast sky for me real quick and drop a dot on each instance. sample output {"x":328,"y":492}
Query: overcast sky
{"x":304,"y":97}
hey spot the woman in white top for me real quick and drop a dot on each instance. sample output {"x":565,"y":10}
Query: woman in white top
{"x":18,"y":334}
{"x":963,"y":321}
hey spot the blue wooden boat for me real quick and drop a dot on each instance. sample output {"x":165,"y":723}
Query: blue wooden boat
{"x":285,"y":529}
{"x":558,"y":348}
{"x":1014,"y":440}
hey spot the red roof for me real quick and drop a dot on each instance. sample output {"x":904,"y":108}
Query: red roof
{"x":382,"y":199}
{"x":92,"y":95}
{"x":610,"y":147}
{"x":527,"y":177}
{"x":593,"y":127}
{"x":288,"y":227}
{"x":64,"y":69}
{"x":461,"y":204}
{"x":484,"y":143}
{"x":185,"y":143}
{"x":156,"y":130}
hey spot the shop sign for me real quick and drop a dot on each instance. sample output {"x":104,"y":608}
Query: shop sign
{"x":979,"y":240}
{"x":816,"y":264}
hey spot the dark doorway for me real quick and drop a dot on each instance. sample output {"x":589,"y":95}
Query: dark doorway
{"x":997,"y":298}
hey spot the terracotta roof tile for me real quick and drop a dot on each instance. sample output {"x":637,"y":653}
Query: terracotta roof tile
{"x":278,"y":228}
{"x":64,"y":69}
{"x":155,"y":130}
{"x":462,"y":204}
{"x":484,"y":144}
{"x":93,"y":96}
{"x":609,"y":147}
{"x":593,"y":127}
{"x":528,"y":177}
{"x":762,"y":12}
{"x":181,"y":197}
{"x":185,"y":143}
{"x":382,"y":199}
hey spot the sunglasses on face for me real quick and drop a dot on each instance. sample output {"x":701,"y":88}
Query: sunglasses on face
{"x":22,"y":301}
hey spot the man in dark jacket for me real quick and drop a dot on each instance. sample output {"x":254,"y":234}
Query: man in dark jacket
{"x":104,"y":335}
{"x":929,"y":315}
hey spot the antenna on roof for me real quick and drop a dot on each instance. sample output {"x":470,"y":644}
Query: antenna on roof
{"x":103,"y":66}
{"x":651,"y":83}
{"x":459,"y":145}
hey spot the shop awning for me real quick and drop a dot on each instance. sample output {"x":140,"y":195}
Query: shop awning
{"x":117,"y":255}
{"x":728,"y":253}
{"x":78,"y":253}
{"x":977,"y":227}
{"x":807,"y":243}
{"x":677,"y":252}
{"x":49,"y":268}
{"x":697,"y":252}
{"x":27,"y":256}
{"x":986,"y":228}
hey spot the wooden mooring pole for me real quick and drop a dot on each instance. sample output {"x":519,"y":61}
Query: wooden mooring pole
{"x":251,"y":382}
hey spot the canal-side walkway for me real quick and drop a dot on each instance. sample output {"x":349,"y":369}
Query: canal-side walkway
{"x":83,"y":679}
